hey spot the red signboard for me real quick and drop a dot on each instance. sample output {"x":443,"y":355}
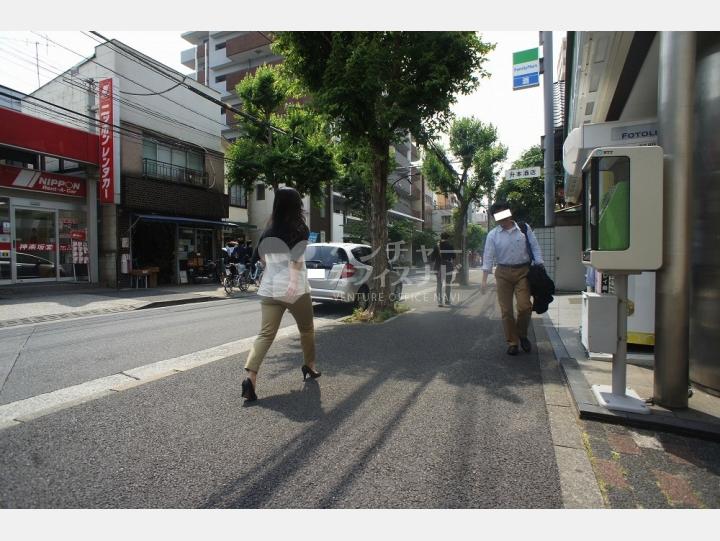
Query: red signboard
{"x":38,"y":135}
{"x":78,"y":235}
{"x":40,"y":181}
{"x":107,"y":169}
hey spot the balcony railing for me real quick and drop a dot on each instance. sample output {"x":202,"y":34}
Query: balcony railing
{"x":168,"y":171}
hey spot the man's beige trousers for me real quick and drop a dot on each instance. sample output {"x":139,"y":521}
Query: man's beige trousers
{"x":509,"y":281}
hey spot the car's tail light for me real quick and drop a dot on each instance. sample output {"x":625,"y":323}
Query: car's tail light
{"x":348,"y":271}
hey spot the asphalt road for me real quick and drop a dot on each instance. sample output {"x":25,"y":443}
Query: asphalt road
{"x":37,"y":359}
{"x":424,"y":411}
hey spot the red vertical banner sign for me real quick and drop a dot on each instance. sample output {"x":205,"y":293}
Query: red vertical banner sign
{"x":106,"y":191}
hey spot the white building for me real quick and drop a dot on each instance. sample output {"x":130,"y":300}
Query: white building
{"x":168,"y":202}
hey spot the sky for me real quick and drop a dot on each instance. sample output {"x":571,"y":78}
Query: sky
{"x":514,"y":26}
{"x":29,"y":56}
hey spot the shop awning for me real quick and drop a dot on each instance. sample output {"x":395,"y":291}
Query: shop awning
{"x":195,"y":221}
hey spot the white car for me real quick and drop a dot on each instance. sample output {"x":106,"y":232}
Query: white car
{"x":340,"y":272}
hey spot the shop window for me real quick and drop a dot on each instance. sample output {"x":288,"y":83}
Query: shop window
{"x":51,"y":165}
{"x":74,"y":257}
{"x":5,"y":239}
{"x":36,"y":251}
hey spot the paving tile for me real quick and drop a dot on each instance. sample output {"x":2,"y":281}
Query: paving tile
{"x":611,"y":474}
{"x":677,"y":490}
{"x":623,"y":444}
{"x":645,"y":439}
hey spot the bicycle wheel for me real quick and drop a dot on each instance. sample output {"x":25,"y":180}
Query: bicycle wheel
{"x":243,"y":282}
{"x":227,"y":284}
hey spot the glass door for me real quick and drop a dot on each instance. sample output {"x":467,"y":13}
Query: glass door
{"x":5,"y":241}
{"x":36,"y":245}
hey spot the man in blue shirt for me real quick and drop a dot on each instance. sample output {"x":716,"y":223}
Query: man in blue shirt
{"x":505,"y":245}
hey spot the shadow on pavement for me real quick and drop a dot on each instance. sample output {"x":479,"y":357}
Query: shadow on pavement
{"x":463,"y":348}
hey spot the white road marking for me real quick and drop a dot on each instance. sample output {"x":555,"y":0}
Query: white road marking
{"x":37,"y":406}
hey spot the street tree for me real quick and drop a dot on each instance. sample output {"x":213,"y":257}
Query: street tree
{"x":376,"y":87}
{"x":283,"y":141}
{"x":526,"y":196}
{"x":474,"y":146}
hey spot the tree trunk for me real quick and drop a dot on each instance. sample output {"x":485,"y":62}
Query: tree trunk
{"x":463,"y":259}
{"x":379,"y":282}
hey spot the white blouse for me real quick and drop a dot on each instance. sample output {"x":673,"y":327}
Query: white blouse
{"x":276,"y":276}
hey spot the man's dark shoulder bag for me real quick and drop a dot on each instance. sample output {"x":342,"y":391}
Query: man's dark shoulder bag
{"x":541,"y":285}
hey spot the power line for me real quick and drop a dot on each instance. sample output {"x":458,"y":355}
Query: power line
{"x":66,"y":114}
{"x":125,"y":77}
{"x":153,"y":64}
{"x":76,"y":84}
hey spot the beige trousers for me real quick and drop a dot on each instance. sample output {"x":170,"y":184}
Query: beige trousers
{"x":509,"y":281}
{"x":272,"y":312}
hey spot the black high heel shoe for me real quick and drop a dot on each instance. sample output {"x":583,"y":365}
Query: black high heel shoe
{"x":307,"y":370}
{"x":248,"y":390}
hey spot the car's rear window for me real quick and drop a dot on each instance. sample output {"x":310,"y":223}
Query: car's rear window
{"x":362,"y":253}
{"x":324,"y":256}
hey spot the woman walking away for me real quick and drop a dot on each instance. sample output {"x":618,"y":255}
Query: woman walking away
{"x":284,"y":286}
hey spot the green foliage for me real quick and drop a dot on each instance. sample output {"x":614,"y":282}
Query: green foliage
{"x":297,"y":156}
{"x":380,"y":85}
{"x":476,"y":237}
{"x":355,"y":179}
{"x":375,"y":87}
{"x":475,"y":146}
{"x":526,"y":196}
{"x":400,"y":229}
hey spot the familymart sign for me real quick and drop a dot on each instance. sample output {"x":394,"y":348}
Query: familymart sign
{"x":526,"y":69}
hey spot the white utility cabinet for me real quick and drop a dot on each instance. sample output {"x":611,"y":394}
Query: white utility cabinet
{"x":599,"y":332}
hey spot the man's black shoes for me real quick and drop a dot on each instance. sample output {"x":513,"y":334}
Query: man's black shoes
{"x":512,"y":350}
{"x":525,"y":344}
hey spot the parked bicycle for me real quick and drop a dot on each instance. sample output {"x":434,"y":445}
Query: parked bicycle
{"x":237,"y":276}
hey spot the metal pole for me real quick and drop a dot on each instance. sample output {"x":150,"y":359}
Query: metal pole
{"x":619,"y":380}
{"x":547,"y":43}
{"x":676,"y":89}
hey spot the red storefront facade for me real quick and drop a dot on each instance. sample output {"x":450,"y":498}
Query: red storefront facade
{"x":45,"y":171}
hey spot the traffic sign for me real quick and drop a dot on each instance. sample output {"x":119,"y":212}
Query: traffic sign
{"x":526,"y":69}
{"x":527,"y":172}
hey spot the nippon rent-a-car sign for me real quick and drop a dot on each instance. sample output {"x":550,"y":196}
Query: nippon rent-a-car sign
{"x":41,"y":181}
{"x":106,"y":185}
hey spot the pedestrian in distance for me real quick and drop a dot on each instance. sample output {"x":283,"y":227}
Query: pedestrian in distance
{"x":443,"y":260}
{"x":506,"y":246}
{"x":284,"y":286}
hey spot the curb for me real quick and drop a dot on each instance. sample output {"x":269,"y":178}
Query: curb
{"x":178,"y":302}
{"x":22,"y":411}
{"x":587,"y":408}
{"x":578,"y":483}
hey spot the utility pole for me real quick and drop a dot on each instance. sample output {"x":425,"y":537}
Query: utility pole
{"x":547,"y":45}
{"x":37,"y":63}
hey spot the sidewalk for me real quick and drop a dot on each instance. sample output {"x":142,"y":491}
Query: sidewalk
{"x":652,"y":461}
{"x":22,"y":305}
{"x":34,"y":303}
{"x":700,"y":419}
